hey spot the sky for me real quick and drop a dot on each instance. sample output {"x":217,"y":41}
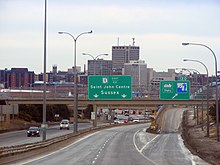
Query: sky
{"x":158,"y":26}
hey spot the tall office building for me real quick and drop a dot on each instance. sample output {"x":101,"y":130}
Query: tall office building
{"x":99,"y":67}
{"x":138,"y":72}
{"x":122,"y":55}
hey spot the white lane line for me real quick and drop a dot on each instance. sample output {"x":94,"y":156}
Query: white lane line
{"x":103,"y":146}
{"x":185,"y":150}
{"x":148,"y":143}
{"x":32,"y":160}
{"x":140,"y":151}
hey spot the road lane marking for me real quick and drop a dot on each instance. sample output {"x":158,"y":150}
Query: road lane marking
{"x":38,"y":158}
{"x":102,"y":148}
{"x":148,"y":143}
{"x":140,"y":151}
{"x":185,"y":150}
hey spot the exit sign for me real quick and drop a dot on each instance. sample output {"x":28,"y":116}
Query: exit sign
{"x":174,"y":90}
{"x":109,"y":88}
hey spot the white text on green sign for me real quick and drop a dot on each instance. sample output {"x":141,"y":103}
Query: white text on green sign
{"x":109,"y":87}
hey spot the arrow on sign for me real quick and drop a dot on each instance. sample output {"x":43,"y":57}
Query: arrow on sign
{"x":175,"y":95}
{"x":96,"y":95}
{"x":124,"y":95}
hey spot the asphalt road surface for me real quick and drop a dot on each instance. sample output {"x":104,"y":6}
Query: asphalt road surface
{"x":20,"y":137}
{"x":125,"y":145}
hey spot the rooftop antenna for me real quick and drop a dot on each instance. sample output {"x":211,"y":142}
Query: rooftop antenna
{"x":133,"y":41}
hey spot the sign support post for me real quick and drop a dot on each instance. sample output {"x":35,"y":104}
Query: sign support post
{"x":95,"y":111}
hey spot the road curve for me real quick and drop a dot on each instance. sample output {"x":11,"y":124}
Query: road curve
{"x":110,"y":146}
{"x":130,"y":145}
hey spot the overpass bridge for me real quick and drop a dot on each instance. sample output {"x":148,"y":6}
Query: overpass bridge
{"x":102,"y":103}
{"x":140,"y":104}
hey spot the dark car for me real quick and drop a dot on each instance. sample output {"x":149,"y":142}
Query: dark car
{"x":33,"y":131}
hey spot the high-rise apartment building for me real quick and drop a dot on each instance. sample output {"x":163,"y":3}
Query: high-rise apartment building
{"x":122,"y":55}
{"x":99,"y":67}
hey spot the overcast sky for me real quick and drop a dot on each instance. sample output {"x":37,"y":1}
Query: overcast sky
{"x":158,"y":26}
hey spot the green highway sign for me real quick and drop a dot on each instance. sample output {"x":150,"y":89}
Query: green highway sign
{"x":175,"y":90}
{"x":182,"y":77}
{"x":109,"y":88}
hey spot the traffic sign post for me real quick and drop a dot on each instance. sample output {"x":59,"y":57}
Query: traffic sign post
{"x":174,"y":90}
{"x":109,"y":88}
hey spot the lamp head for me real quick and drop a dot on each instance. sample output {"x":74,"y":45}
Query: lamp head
{"x":185,"y":43}
{"x":60,"y":32}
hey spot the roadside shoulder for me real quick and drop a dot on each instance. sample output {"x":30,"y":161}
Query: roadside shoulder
{"x":195,"y":140}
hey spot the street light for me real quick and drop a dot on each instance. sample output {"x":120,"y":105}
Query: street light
{"x":191,"y":71}
{"x":197,"y":89}
{"x":216,"y":72}
{"x":44,"y":91}
{"x":94,"y":58}
{"x":94,"y":73}
{"x":207,"y":93}
{"x":75,"y":110}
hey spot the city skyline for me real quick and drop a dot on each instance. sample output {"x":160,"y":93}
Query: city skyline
{"x":158,"y":27}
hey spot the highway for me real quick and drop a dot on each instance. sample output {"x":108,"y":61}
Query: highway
{"x":130,"y":145}
{"x":20,"y":137}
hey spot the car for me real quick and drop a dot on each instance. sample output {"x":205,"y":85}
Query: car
{"x":123,"y":118}
{"x":33,"y":131}
{"x":118,"y":121}
{"x":136,"y":120}
{"x":65,"y":124}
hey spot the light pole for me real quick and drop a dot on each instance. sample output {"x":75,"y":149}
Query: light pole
{"x":197,"y":89}
{"x":190,"y":71}
{"x":94,"y":59}
{"x":75,"y":110}
{"x":94,"y":73}
{"x":207,"y":92}
{"x":44,"y":91}
{"x":216,"y":74}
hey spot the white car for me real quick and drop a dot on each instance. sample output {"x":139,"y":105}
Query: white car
{"x":136,"y":120}
{"x":118,"y":121}
{"x":65,"y":124}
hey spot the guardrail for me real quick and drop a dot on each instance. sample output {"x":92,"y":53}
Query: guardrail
{"x":13,"y":150}
{"x":7,"y":153}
